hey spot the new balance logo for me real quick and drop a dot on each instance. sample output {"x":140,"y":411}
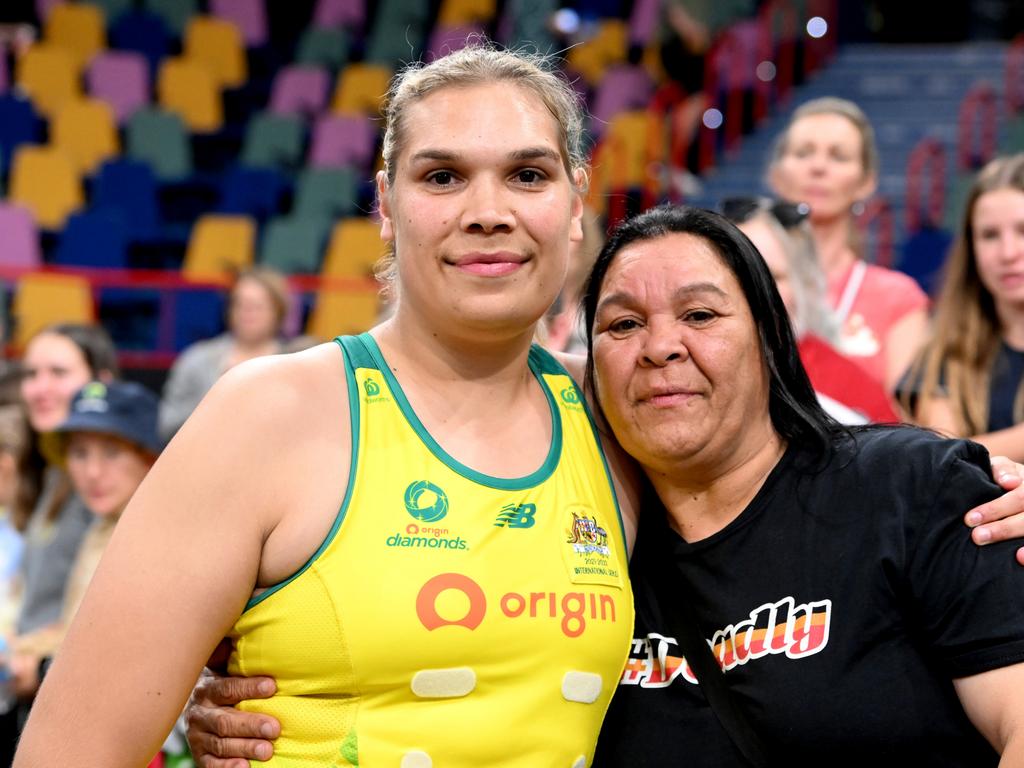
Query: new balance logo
{"x":516,"y":516}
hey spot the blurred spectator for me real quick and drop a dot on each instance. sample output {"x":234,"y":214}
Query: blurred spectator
{"x":780,"y":232}
{"x":967,"y":380}
{"x":258,"y":305}
{"x":827,"y":158}
{"x":15,"y":507}
{"x":108,"y":443}
{"x":58,"y":361}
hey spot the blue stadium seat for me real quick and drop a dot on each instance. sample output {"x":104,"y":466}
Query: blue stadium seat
{"x":19,"y":124}
{"x":129,"y":187}
{"x":94,"y":239}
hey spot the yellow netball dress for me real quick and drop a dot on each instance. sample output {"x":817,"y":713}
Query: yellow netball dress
{"x":449,"y":619}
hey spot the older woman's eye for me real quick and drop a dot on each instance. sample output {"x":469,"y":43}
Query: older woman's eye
{"x":699,"y":316}
{"x":624,"y":325}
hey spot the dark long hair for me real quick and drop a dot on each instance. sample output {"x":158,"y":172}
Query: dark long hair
{"x":792,"y":405}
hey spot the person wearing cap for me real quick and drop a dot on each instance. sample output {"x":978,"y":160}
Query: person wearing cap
{"x":107,"y":443}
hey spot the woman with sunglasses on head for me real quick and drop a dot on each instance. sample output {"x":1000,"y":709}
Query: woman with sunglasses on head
{"x":804,"y":591}
{"x":827,"y":158}
{"x":781,"y":235}
{"x":968,"y":379}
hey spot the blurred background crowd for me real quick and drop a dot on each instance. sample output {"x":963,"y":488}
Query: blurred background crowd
{"x":188,"y":184}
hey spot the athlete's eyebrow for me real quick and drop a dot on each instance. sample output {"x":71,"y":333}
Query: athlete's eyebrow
{"x":518,"y":155}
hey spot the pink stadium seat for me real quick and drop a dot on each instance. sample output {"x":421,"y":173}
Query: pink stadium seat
{"x":341,"y":141}
{"x":300,"y":90}
{"x":446,"y":39}
{"x":120,"y":78}
{"x":623,"y":87}
{"x":340,"y":13}
{"x":19,"y":235}
{"x":250,"y":16}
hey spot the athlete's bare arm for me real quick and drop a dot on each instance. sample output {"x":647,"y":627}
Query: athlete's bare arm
{"x":236,"y":501}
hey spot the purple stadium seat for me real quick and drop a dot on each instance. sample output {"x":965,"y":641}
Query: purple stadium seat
{"x":299,"y":90}
{"x":341,"y":141}
{"x":43,"y":8}
{"x":446,"y":39}
{"x":623,"y":87}
{"x":340,"y":13}
{"x":643,"y":22}
{"x":120,"y":78}
{"x":250,"y":16}
{"x":4,"y":79}
{"x":20,"y":237}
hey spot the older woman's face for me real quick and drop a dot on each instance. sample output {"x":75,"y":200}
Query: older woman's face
{"x":678,"y":365}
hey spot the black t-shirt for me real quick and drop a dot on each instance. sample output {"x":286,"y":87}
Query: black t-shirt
{"x":842,"y":602}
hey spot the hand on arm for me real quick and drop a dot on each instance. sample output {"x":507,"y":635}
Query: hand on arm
{"x":221,"y":736}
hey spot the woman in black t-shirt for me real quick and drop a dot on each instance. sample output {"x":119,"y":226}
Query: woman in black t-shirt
{"x":826,"y":567}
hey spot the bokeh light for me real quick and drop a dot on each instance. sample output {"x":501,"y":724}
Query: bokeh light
{"x":713,"y":119}
{"x":817,"y":27}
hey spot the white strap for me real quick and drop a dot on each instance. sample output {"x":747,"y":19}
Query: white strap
{"x":850,"y":291}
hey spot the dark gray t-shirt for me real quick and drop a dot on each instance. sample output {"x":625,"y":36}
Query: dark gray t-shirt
{"x":50,"y":549}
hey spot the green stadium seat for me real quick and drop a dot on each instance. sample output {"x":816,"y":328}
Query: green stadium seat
{"x":326,"y":193}
{"x":294,"y":244}
{"x":159,"y":138}
{"x":274,"y":141}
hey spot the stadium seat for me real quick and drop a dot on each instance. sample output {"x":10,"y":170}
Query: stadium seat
{"x":5,"y":78}
{"x":42,"y":299}
{"x":129,"y":187}
{"x":77,"y":28}
{"x":85,"y":128}
{"x":323,"y":47}
{"x":294,"y":245}
{"x":624,"y":87}
{"x":112,"y":9}
{"x":160,"y":140}
{"x":250,"y":16}
{"x":608,"y":46}
{"x":49,"y":75}
{"x":361,"y":89}
{"x":94,"y":239}
{"x":462,"y":12}
{"x":339,"y":141}
{"x":273,"y":141}
{"x":354,"y":249}
{"x":19,"y":124}
{"x":175,"y":14}
{"x":329,"y":193}
{"x":339,"y":13}
{"x":339,"y":311}
{"x":219,"y":246}
{"x":44,"y":180}
{"x":20,"y":237}
{"x":446,"y":39}
{"x":399,"y":30}
{"x":256,"y":192}
{"x":121,"y":79}
{"x":143,"y":32}
{"x":217,"y":45}
{"x":299,"y":90}
{"x":190,"y":90}
{"x":43,"y":8}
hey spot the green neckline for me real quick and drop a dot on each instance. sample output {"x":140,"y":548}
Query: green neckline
{"x":508,"y":484}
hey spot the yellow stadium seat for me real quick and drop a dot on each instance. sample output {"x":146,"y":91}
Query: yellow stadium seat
{"x":457,"y":12}
{"x":50,"y":76}
{"x":45,"y":181}
{"x":361,"y":89}
{"x":189,"y":90}
{"x":354,"y":249}
{"x":609,"y":45}
{"x":78,"y":28}
{"x":217,"y":45}
{"x":218,"y":247}
{"x":343,"y":312}
{"x":87,"y":130}
{"x":42,"y":299}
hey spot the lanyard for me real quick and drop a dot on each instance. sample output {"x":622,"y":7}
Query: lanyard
{"x":850,"y":291}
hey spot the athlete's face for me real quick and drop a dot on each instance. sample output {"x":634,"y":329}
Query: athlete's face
{"x":678,"y":365}
{"x":482,"y":211}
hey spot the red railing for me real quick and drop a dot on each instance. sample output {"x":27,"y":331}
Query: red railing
{"x":818,"y":50}
{"x":976,"y":134}
{"x":780,"y":27}
{"x":1014,"y":85}
{"x":927,"y":159}
{"x":169,"y":284}
{"x":878,"y":214}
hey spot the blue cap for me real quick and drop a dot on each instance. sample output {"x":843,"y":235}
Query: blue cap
{"x":121,"y":409}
